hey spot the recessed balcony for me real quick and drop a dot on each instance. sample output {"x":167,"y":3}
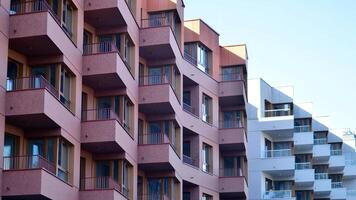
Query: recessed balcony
{"x":232,"y":90}
{"x":158,"y":95}
{"x":115,"y":135}
{"x":109,"y":13}
{"x":304,"y":174}
{"x":157,"y":152}
{"x":35,"y":103}
{"x":232,"y":184}
{"x":104,"y":67}
{"x":157,"y":39}
{"x":35,"y":29}
{"x":276,"y":121}
{"x":232,"y":135}
{"x":33,"y":177}
{"x":336,"y":161}
{"x":322,"y":185}
{"x":321,"y":150}
{"x":93,"y":188}
{"x":279,"y":194}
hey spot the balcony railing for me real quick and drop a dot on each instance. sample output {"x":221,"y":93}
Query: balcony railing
{"x":231,"y":77}
{"x":230,"y":172}
{"x":302,"y":128}
{"x":157,"y":80}
{"x":226,"y":124}
{"x":35,"y":6}
{"x":103,"y":114}
{"x":156,"y":138}
{"x":320,"y":141}
{"x":320,"y":176}
{"x":28,"y":162}
{"x":336,"y":152}
{"x":278,"y":112}
{"x":277,"y":153}
{"x":190,"y":58}
{"x":336,"y":185}
{"x":156,"y":22}
{"x":188,"y":108}
{"x":102,"y":47}
{"x":35,"y":82}
{"x":191,"y":161}
{"x":156,"y":196}
{"x":278,"y":194}
{"x":301,"y":166}
{"x":102,"y":183}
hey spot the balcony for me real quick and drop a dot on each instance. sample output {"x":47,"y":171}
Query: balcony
{"x":191,"y":161}
{"x":157,"y":39}
{"x":303,"y":139}
{"x":276,"y":121}
{"x":158,"y":95}
{"x":276,"y":162}
{"x":115,"y":135}
{"x":157,"y":152}
{"x":322,"y":185}
{"x":278,"y":194}
{"x":93,"y":188}
{"x":350,"y":169}
{"x":337,"y":161}
{"x":321,"y":150}
{"x":338,"y":191}
{"x":154,"y":197}
{"x":232,"y":184}
{"x":35,"y":29}
{"x":33,"y":177}
{"x":232,"y":90}
{"x":304,"y":174}
{"x":109,"y":13}
{"x":105,"y":68}
{"x":51,"y":110}
{"x":159,"y":5}
{"x":232,"y":135}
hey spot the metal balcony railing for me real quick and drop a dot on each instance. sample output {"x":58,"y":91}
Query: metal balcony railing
{"x":157,"y":80}
{"x":156,"y":138}
{"x":35,"y":82}
{"x":320,"y":141}
{"x":153,"y":196}
{"x":277,"y":194}
{"x":301,"y":166}
{"x":336,"y":185}
{"x":191,"y":161}
{"x":226,"y":124}
{"x":277,"y":153}
{"x":320,"y":176}
{"x":302,"y":128}
{"x":28,"y":162}
{"x":102,"y":183}
{"x":336,"y":152}
{"x":188,"y":108}
{"x":102,"y":47}
{"x":156,"y":22}
{"x":190,"y":58}
{"x":231,"y":77}
{"x":230,"y":172}
{"x":278,"y":112}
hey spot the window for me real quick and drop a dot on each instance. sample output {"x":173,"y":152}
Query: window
{"x":276,"y":110}
{"x":190,"y":52}
{"x":125,"y":177}
{"x":203,"y":58}
{"x":207,"y":197}
{"x":10,"y":150}
{"x":232,"y":119}
{"x":336,"y":149}
{"x":186,"y":195}
{"x":207,"y":158}
{"x":186,"y":148}
{"x":63,"y":160}
{"x":207,"y":109}
{"x":187,"y":98}
{"x":302,"y":125}
{"x":65,"y":87}
{"x":231,"y":166}
{"x":127,"y":113}
{"x":303,"y":195}
{"x":13,"y":72}
{"x":231,"y":73}
{"x":68,"y":12}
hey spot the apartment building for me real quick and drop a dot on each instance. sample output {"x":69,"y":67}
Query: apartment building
{"x":119,"y":99}
{"x":293,"y":154}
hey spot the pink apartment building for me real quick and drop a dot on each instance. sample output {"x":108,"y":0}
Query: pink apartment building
{"x":119,"y":99}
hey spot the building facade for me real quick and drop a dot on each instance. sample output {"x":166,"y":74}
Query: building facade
{"x":119,"y":99}
{"x":293,"y":154}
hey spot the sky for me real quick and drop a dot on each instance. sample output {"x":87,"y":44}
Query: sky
{"x":308,"y":44}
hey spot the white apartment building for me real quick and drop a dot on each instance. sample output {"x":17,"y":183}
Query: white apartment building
{"x":292,"y":154}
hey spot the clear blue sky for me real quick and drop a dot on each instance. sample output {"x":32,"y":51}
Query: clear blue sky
{"x":310,"y":44}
